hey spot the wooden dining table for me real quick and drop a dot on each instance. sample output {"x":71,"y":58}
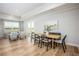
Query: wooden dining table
{"x":54,"y":37}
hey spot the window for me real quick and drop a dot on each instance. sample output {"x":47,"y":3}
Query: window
{"x":8,"y":24}
{"x":11,"y":26}
{"x":31,"y":26}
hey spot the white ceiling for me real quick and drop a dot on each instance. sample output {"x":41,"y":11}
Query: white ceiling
{"x":17,"y":9}
{"x":24,"y":10}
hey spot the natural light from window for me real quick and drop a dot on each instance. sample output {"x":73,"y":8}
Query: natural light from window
{"x":31,"y":26}
{"x":10,"y":24}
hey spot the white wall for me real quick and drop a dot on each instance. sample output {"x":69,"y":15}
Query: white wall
{"x":68,"y":20}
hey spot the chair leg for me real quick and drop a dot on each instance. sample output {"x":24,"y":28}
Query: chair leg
{"x":54,"y":44}
{"x":63,"y":48}
{"x":31,"y":39}
{"x":41,"y":44}
{"x":34,"y":42}
{"x":25,"y":37}
{"x":47,"y":46}
{"x":38,"y":43}
{"x":51,"y":44}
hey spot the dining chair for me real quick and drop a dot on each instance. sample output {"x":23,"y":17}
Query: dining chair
{"x":32,"y":36}
{"x":22,"y":35}
{"x":62,"y":41}
{"x":45,"y":41}
{"x":13,"y":36}
{"x":37,"y":39}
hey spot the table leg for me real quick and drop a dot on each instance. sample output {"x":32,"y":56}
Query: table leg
{"x":51,"y":44}
{"x":54,"y":44}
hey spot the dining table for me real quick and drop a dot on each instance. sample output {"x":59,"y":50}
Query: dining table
{"x":53,"y":37}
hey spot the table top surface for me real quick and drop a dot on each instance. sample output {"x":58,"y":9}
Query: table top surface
{"x":54,"y":36}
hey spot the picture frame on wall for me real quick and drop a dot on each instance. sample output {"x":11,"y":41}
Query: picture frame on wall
{"x":51,"y":26}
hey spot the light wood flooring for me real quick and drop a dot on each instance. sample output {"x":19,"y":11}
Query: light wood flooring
{"x":26,"y":48}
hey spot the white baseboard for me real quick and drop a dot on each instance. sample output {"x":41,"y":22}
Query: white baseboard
{"x":73,"y":44}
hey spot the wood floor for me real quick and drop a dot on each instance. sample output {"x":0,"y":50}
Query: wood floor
{"x":26,"y":48}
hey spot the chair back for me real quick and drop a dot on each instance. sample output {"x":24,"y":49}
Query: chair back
{"x":37,"y":37}
{"x":44,"y":37}
{"x":63,"y":40}
{"x":22,"y":35}
{"x":13,"y":35}
{"x":33,"y":35}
